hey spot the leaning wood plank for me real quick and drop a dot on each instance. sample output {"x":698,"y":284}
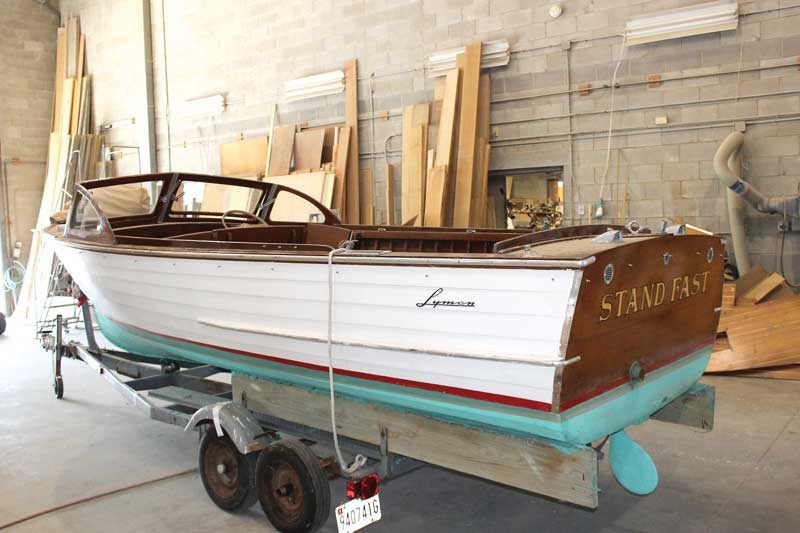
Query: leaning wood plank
{"x":73,"y":44}
{"x":749,"y":280}
{"x":529,"y":464}
{"x":340,"y":169}
{"x":791,"y":372}
{"x":367,"y":196}
{"x":467,"y":137}
{"x":415,"y":149}
{"x":480,"y":184}
{"x":292,"y":208}
{"x":280,"y":158}
{"x":79,"y":97}
{"x":308,"y":149}
{"x":389,"y":195}
{"x":66,"y":106}
{"x":271,"y":137}
{"x":247,"y":156}
{"x":444,"y":140}
{"x":763,"y":288}
{"x":353,"y":201}
{"x":436,"y":188}
{"x":61,"y":69}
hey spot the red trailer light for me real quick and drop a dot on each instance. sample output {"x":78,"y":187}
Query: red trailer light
{"x":364,"y":488}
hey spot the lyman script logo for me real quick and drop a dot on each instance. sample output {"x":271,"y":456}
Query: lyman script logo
{"x":635,"y":299}
{"x":432,"y":302}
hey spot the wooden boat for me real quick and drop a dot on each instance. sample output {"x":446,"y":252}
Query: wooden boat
{"x":570,"y":334}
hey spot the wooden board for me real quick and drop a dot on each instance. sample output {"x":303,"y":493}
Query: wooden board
{"x":79,"y":97}
{"x":280,"y":159}
{"x":61,"y":69}
{"x":467,"y":137}
{"x":791,"y":372}
{"x":73,"y":44}
{"x":308,"y":149}
{"x":525,"y":463}
{"x":352,"y":182}
{"x":66,"y":105}
{"x":749,"y":280}
{"x":480,"y":185}
{"x":327,"y":144}
{"x":763,"y":335}
{"x":415,"y":151}
{"x":728,"y":296}
{"x":444,"y":140}
{"x":327,"y":189}
{"x":367,"y":188}
{"x":291,"y":208}
{"x":271,"y":137}
{"x":763,"y":288}
{"x":436,"y":188}
{"x":389,"y":195}
{"x":248,"y":156}
{"x":340,"y":169}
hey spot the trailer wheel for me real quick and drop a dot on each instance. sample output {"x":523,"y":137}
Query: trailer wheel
{"x":292,"y":487}
{"x":227,"y":475}
{"x":58,"y":387}
{"x":2,"y":323}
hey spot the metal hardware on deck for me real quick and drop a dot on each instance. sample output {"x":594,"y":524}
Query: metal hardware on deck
{"x":666,"y":257}
{"x":678,"y":229}
{"x":503,"y":358}
{"x":608,"y":237}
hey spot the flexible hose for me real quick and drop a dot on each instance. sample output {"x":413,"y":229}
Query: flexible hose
{"x":10,"y":282}
{"x":360,"y":460}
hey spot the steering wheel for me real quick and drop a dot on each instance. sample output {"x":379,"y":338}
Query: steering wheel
{"x":246,"y":214}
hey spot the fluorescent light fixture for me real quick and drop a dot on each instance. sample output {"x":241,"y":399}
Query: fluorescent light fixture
{"x":208,"y":105}
{"x":313,"y":86}
{"x":683,"y":22}
{"x":493,"y":54}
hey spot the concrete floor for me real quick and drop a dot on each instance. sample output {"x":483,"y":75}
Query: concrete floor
{"x":743,"y":476}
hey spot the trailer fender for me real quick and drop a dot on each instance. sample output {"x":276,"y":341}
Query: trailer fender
{"x":235,"y":420}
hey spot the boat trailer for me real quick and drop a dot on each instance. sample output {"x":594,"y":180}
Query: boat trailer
{"x":262,"y":440}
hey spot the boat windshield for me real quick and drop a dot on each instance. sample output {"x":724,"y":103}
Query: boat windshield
{"x":201,"y":197}
{"x":129,"y":199}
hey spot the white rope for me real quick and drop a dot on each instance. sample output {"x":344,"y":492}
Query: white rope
{"x":360,"y":460}
{"x":611,"y":115}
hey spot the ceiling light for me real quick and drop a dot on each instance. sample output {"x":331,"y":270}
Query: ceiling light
{"x":493,"y":54}
{"x":313,"y":86}
{"x":683,"y":22}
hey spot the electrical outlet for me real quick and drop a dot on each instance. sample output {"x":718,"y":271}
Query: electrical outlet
{"x":784,"y":226}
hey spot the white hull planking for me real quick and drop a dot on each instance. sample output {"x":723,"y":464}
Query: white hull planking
{"x":277,"y":308}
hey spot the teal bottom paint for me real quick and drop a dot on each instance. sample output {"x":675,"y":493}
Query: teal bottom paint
{"x":631,"y":465}
{"x":601,"y":416}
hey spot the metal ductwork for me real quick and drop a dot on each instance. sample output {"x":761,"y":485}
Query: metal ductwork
{"x":726,"y":156}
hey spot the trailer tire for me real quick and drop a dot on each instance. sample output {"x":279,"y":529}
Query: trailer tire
{"x":292,"y":487}
{"x":2,"y":323}
{"x":228,"y":476}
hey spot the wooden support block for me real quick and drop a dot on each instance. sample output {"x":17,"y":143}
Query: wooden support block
{"x":353,"y":199}
{"x":340,"y":170}
{"x":565,"y":472}
{"x":308,"y":149}
{"x":467,"y":136}
{"x":436,"y":188}
{"x":415,"y":150}
{"x":281,"y":149}
{"x":763,"y":288}
{"x":248,"y":156}
{"x":389,"y":195}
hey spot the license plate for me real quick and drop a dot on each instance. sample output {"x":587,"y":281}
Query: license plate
{"x":356,"y":514}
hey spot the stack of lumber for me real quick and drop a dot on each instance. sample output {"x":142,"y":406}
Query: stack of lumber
{"x":74,"y":153}
{"x":446,"y":183}
{"x":759,"y":329}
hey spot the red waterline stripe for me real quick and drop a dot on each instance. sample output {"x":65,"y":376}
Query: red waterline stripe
{"x":455,"y":391}
{"x":623,"y":380}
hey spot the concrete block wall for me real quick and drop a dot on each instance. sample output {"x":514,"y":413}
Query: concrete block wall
{"x":27,"y":63}
{"x":246,"y":49}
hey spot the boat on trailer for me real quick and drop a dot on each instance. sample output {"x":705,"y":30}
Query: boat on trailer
{"x":567,"y":335}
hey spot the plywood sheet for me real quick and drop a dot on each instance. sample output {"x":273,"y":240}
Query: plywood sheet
{"x":435,"y":196}
{"x":308,"y":149}
{"x":247,"y":156}
{"x":280,"y":159}
{"x":467,"y":136}
{"x":291,"y":208}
